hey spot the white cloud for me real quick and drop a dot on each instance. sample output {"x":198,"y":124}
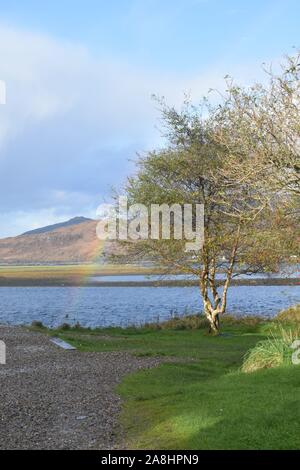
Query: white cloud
{"x":72,"y":120}
{"x":47,"y":78}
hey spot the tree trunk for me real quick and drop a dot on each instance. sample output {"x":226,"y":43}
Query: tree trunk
{"x":211,"y":311}
{"x":214,"y":321}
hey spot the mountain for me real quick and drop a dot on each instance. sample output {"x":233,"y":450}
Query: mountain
{"x":51,"y":228}
{"x":73,"y":241}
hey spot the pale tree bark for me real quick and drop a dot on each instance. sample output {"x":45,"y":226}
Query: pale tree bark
{"x":217,"y":306}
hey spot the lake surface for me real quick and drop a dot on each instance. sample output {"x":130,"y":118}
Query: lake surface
{"x":122,"y":306}
{"x":181,"y":277}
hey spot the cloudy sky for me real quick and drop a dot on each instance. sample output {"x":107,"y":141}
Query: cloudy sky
{"x":79,"y":77}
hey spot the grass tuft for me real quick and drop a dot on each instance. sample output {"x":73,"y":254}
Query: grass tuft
{"x":291,"y":314}
{"x":275,"y":351}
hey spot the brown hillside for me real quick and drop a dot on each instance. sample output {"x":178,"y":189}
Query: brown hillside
{"x":72,"y":244}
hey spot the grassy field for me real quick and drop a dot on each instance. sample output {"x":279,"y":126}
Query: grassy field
{"x":202,"y":399}
{"x":69,"y":271}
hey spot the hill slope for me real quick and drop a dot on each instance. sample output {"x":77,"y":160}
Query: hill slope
{"x":50,"y":228}
{"x":74,"y":241}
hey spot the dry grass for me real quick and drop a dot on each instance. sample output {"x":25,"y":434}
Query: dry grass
{"x":69,"y":271}
{"x":199,"y":321}
{"x":291,"y":314}
{"x":186,"y":322}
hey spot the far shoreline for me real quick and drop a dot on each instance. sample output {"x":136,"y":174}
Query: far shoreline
{"x":81,"y":282}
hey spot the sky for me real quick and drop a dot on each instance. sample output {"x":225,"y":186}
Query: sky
{"x":79,"y":78}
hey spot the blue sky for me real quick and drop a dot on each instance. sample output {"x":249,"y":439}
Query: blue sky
{"x":79,"y":78}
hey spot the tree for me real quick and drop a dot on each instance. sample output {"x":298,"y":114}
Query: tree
{"x":260,"y":127}
{"x":241,"y":234}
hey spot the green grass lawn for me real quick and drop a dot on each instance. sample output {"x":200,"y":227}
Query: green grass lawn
{"x":203,"y":400}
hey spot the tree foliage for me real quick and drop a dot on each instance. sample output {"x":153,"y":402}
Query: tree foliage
{"x":241,"y":160}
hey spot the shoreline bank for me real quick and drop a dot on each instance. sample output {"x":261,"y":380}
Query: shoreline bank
{"x":79,"y":282}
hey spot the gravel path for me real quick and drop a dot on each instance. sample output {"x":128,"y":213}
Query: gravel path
{"x":56,"y":399}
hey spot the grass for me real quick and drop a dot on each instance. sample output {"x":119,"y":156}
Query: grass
{"x":203,"y":400}
{"x":69,"y":271}
{"x":197,"y":406}
{"x":291,"y":314}
{"x":275,"y":351}
{"x":152,"y":341}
